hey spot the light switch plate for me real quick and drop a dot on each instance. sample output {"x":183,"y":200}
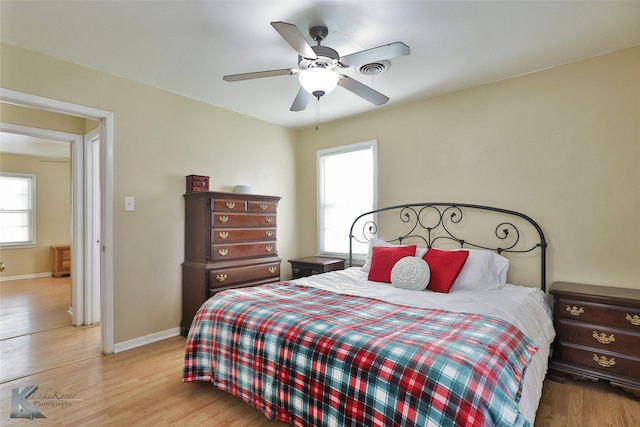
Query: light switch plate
{"x":129,"y":204}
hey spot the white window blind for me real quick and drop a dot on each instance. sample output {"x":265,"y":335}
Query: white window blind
{"x":17,"y":209}
{"x":346,"y":188}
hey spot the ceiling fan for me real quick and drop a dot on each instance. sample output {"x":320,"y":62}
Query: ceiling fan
{"x":318,"y":66}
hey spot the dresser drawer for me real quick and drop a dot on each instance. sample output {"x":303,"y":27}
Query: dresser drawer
{"x":603,"y":362}
{"x":221,"y":252}
{"x":240,"y":234}
{"x":308,"y":266}
{"x":232,"y":276}
{"x":600,"y":337}
{"x":616,"y":316}
{"x":223,"y":205}
{"x":299,"y":271}
{"x":242,"y":220}
{"x":264,"y":207}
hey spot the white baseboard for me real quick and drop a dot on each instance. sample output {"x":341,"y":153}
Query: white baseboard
{"x":25,"y":276}
{"x":147,"y":339}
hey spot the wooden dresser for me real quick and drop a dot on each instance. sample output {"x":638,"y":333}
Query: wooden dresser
{"x":230,"y":242}
{"x":61,"y":260}
{"x":597,"y":334}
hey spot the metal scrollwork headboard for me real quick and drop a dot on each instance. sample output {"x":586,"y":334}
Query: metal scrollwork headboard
{"x":438,"y":224}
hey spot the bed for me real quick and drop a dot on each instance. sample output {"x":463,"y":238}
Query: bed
{"x":369,"y":346}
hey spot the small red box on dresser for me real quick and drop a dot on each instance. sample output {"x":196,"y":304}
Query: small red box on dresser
{"x":197,"y":183}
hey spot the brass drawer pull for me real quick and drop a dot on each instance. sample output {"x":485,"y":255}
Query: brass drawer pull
{"x":603,"y":361}
{"x":264,"y":206}
{"x":268,"y":248}
{"x":575,"y":311}
{"x":269,"y":219}
{"x":296,"y":270}
{"x":315,"y":271}
{"x":223,"y":219}
{"x":635,"y":320}
{"x":272,"y":270}
{"x":223,"y":234}
{"x":231,"y":205}
{"x":223,"y":252}
{"x":602,"y":338}
{"x":269,"y":233}
{"x":221,"y":277}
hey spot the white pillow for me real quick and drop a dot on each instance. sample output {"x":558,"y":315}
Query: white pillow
{"x":483,"y":270}
{"x":378,"y":242}
{"x":411,"y":273}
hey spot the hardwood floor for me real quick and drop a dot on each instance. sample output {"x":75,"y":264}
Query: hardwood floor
{"x":34,"y":305}
{"x":35,"y":328}
{"x":143,"y":387}
{"x":586,"y":404}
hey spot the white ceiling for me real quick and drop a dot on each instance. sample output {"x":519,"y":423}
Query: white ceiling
{"x":27,"y":145}
{"x":187,"y":46}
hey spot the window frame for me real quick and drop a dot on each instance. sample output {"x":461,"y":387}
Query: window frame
{"x":344,"y":149}
{"x":32,"y":242}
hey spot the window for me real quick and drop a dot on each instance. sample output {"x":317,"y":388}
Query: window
{"x":17,"y":209}
{"x":346,"y":188}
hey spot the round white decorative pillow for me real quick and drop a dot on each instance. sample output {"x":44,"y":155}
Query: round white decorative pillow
{"x":411,"y":273}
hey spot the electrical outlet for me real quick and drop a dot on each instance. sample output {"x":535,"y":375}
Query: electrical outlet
{"x":129,"y":204}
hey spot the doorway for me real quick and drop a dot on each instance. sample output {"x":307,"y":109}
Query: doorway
{"x":104,"y":157}
{"x":85,"y":264}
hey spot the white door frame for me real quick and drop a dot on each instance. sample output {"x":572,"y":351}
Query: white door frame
{"x":106,"y":197}
{"x":92,"y":227}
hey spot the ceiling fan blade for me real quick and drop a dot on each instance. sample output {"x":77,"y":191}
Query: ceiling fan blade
{"x":294,"y":37}
{"x":363,"y":91}
{"x":301,"y":101}
{"x":388,"y":51}
{"x":259,"y":75}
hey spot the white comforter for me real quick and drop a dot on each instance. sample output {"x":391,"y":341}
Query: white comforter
{"x":526,"y":308}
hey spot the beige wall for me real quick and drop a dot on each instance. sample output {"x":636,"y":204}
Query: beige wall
{"x":45,"y":119}
{"x":561,"y":145}
{"x":53,"y":213}
{"x":159,"y":138}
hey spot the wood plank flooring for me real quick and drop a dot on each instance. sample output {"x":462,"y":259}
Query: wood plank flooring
{"x":143,"y":387}
{"x":34,"y":305}
{"x":35,"y":328}
{"x":27,"y":354}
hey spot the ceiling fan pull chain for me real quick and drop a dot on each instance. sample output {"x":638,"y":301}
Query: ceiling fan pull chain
{"x":317,"y":111}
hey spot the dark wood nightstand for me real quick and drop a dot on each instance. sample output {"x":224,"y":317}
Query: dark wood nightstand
{"x":597,"y":334}
{"x":308,"y":266}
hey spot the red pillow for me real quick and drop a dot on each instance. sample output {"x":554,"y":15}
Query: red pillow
{"x":383,"y":258}
{"x":445,"y":267}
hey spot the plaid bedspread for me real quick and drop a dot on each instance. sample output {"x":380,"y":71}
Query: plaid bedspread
{"x":311,"y":357}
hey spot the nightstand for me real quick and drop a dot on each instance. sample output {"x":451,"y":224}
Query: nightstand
{"x":308,"y":266}
{"x":61,"y":260}
{"x":597,"y":334}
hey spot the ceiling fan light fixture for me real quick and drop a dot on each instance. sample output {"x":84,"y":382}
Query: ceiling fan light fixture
{"x":318,"y":81}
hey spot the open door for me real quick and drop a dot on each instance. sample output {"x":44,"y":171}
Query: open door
{"x":92,"y":227}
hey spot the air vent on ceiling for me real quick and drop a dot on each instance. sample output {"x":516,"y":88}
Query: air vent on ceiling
{"x":374,"y":68}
